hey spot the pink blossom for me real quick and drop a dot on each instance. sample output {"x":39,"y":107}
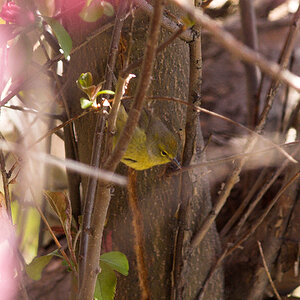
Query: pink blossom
{"x":15,"y":14}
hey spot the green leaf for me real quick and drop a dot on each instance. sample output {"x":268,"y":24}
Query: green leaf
{"x":108,"y":9}
{"x":85,"y":80}
{"x":106,"y":283}
{"x":107,"y":92}
{"x":85,"y":103}
{"x":35,"y":268}
{"x":116,"y":260}
{"x":61,"y":34}
{"x":92,"y":13}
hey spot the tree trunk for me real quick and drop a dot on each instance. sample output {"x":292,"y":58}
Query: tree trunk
{"x":159,"y":196}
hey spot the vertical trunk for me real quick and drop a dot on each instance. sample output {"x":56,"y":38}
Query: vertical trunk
{"x":158,"y":195}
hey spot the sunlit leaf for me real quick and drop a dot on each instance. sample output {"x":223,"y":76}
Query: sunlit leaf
{"x":61,"y":34}
{"x":85,"y":80}
{"x":92,"y":12}
{"x":108,"y":9}
{"x":85,"y":103}
{"x":117,"y":261}
{"x":107,"y":92}
{"x":35,"y":268}
{"x":106,"y":283}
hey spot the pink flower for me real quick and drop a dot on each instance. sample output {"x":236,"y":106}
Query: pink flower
{"x":15,"y":14}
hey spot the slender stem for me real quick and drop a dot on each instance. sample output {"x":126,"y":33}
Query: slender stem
{"x":248,"y":21}
{"x":200,"y":109}
{"x":192,"y":117}
{"x":58,"y":244}
{"x":98,"y":144}
{"x":267,"y":271}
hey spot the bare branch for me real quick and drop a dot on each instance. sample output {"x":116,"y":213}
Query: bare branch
{"x":71,"y":165}
{"x":248,"y":21}
{"x":267,"y":271}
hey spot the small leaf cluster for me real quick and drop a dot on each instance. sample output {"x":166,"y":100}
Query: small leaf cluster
{"x":85,"y":83}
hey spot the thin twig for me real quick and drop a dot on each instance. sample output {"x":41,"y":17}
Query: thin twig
{"x":234,"y":157}
{"x":283,"y":61}
{"x":58,"y":244}
{"x":267,"y":271}
{"x":34,"y":111}
{"x":258,"y":183}
{"x":261,"y":193}
{"x":248,"y":21}
{"x":192,"y":116}
{"x":64,"y":124}
{"x":71,"y":165}
{"x":206,"y":111}
{"x":258,"y":222}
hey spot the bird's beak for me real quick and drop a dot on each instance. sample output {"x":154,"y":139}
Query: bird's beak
{"x":176,"y":162}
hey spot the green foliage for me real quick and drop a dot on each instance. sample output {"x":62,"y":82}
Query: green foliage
{"x":117,"y":261}
{"x":85,"y":83}
{"x":85,"y":103}
{"x":61,"y":34}
{"x":35,"y":268}
{"x":94,"y":10}
{"x":107,"y":280}
{"x":107,"y":92}
{"x":106,"y":283}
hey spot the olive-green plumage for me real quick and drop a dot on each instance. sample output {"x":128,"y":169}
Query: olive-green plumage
{"x":154,"y":145}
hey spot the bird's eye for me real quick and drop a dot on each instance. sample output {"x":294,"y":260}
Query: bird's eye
{"x":163,"y":153}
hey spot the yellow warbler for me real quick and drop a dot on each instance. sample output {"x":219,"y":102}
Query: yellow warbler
{"x":154,"y":145}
